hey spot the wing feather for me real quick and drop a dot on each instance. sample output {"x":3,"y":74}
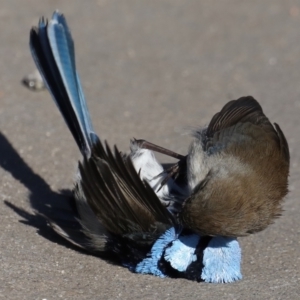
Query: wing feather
{"x":119,"y":198}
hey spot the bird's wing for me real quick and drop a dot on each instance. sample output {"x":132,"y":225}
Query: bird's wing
{"x":123,"y":203}
{"x":244,"y":109}
{"x":230,"y":121}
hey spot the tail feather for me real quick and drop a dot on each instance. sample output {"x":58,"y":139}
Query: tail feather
{"x":53,"y":51}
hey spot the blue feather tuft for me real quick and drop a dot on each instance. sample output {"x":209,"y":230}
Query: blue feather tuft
{"x":181,"y":253}
{"x":221,"y":260}
{"x":149,"y":265}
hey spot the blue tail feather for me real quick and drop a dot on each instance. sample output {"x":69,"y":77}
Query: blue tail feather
{"x":63,"y":52}
{"x":82,"y":106}
{"x":53,"y":51}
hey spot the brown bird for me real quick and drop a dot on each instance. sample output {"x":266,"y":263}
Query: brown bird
{"x":231,"y":183}
{"x":237,"y":172}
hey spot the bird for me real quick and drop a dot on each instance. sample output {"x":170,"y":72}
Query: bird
{"x":181,"y":221}
{"x":238,"y":170}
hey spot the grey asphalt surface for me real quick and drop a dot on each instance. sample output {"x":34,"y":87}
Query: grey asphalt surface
{"x":149,"y":69}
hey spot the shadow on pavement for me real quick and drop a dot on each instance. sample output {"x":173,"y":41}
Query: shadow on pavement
{"x":46,"y":203}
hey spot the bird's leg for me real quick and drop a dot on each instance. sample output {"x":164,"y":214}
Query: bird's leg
{"x":149,"y":146}
{"x":174,"y":170}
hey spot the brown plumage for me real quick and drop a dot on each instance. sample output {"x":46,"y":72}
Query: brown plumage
{"x":237,"y":171}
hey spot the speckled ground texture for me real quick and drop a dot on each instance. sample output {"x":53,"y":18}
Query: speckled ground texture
{"x":150,"y":69}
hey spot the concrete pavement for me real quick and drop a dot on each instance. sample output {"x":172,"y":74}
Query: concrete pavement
{"x":149,"y":70}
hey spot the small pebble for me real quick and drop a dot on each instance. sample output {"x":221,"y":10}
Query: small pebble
{"x":34,"y":81}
